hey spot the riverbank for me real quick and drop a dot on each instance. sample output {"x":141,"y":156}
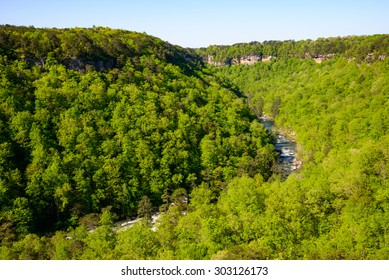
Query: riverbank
{"x":285,"y":146}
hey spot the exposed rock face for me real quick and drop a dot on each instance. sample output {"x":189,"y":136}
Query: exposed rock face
{"x":251,"y":59}
{"x":371,"y":57}
{"x":209,"y":59}
{"x":98,"y":65}
{"x":76,"y":63}
{"x":321,"y":58}
{"x":267,"y":58}
{"x":248,"y":60}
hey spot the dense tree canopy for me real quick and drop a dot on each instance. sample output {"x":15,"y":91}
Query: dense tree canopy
{"x":338,"y":111}
{"x":75,"y":141}
{"x":361,"y":48}
{"x":100,"y":124}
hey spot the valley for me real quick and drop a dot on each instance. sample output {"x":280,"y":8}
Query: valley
{"x":281,"y":158}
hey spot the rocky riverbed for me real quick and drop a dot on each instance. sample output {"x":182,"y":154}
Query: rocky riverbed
{"x":286,"y":148}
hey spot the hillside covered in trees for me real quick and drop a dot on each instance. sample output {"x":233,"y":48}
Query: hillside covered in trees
{"x":99,"y":124}
{"x":358,"y":48}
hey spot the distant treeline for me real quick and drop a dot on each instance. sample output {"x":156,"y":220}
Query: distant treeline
{"x":352,"y":47}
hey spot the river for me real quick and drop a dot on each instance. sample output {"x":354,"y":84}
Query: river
{"x":285,"y":148}
{"x":286,"y":164}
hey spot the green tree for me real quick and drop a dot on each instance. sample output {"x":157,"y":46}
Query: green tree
{"x":145,"y":208}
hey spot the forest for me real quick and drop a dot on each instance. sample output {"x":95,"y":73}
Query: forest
{"x":99,"y":125}
{"x":359,"y":48}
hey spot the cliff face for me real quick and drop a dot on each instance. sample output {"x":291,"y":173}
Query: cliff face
{"x":248,"y":60}
{"x":251,"y":59}
{"x":367,"y":48}
{"x":209,"y":59}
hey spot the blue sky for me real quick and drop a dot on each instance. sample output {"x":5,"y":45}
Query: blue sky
{"x":205,"y":22}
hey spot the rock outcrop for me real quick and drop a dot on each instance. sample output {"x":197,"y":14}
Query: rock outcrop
{"x":251,"y":59}
{"x":209,"y":59}
{"x":247,"y":60}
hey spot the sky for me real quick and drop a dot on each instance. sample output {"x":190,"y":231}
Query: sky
{"x":200,"y":23}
